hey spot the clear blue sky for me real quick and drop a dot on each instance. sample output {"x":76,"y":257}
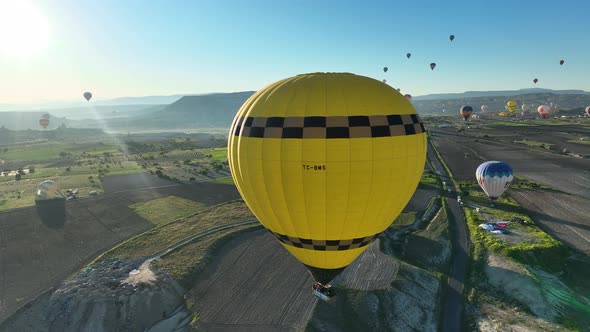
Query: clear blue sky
{"x":147,"y":47}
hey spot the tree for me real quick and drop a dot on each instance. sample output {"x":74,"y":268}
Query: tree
{"x":17,"y":177}
{"x":63,"y":154}
{"x":67,"y":169}
{"x":31,"y":169}
{"x":192,"y":179}
{"x":159,"y":173}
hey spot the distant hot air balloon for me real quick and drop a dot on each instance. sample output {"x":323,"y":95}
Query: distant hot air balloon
{"x":466,"y":112}
{"x":385,"y":69}
{"x":408,"y":96}
{"x":384,"y":81}
{"x":44,"y":123}
{"x":561,"y":62}
{"x":87,"y":96}
{"x":588,"y":111}
{"x":452,"y":37}
{"x":544,"y":110}
{"x":535,"y":81}
{"x":494,"y":177}
{"x":47,"y":189}
{"x":408,"y":55}
{"x":524,"y":107}
{"x":326,"y":204}
{"x":444,"y":110}
{"x":484,"y":108}
{"x":432,"y":65}
{"x":511,"y":106}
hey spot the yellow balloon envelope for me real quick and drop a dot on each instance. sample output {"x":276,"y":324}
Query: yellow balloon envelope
{"x":511,"y":105}
{"x":326,"y":162}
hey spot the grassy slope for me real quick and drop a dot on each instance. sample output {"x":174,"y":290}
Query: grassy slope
{"x":162,"y":210}
{"x":162,"y":236}
{"x":183,"y":263}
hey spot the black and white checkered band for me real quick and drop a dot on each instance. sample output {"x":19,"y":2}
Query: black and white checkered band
{"x":325,"y":245}
{"x":329,"y":127}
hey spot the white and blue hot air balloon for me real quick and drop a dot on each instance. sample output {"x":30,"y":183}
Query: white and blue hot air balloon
{"x":47,"y":189}
{"x":494,"y":177}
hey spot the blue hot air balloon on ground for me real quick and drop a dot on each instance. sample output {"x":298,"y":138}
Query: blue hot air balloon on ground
{"x":494,"y":177}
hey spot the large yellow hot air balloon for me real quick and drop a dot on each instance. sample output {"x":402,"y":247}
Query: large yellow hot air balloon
{"x":326,"y":162}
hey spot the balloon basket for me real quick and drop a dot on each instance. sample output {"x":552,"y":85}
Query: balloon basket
{"x":324,"y":292}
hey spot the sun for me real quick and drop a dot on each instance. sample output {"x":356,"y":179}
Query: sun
{"x":24,"y":30}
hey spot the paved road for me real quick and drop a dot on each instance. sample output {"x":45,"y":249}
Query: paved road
{"x":453,"y":307}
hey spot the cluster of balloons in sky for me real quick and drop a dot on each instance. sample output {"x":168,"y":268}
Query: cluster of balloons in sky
{"x":44,"y":121}
{"x":561,"y":62}
{"x":409,"y":55}
{"x":433,"y":64}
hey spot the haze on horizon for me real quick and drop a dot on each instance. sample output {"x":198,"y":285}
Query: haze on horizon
{"x":57,"y":50}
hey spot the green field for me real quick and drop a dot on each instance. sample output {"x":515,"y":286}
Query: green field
{"x":224,"y":180}
{"x":165,"y":235}
{"x":219,"y":154}
{"x":162,"y":210}
{"x":86,"y":178}
{"x":52,"y":150}
{"x":429,"y":181}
